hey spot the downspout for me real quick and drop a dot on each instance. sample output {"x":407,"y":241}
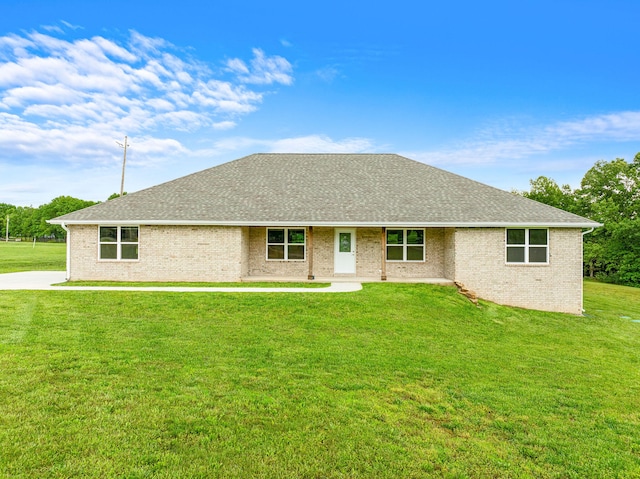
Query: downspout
{"x":68,"y":273}
{"x":584,"y":233}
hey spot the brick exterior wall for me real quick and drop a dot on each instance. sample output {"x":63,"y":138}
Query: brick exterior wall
{"x":259,"y":266}
{"x":472,"y":256}
{"x":244,"y":269}
{"x":481,"y":266}
{"x":166,"y":253}
{"x":323,"y":249}
{"x":432,"y":267}
{"x":449,"y":266}
{"x":368,"y":256}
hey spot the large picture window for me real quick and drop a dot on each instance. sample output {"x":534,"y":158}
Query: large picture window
{"x":405,"y":245}
{"x":286,"y":244}
{"x":527,"y":245}
{"x":119,"y":242}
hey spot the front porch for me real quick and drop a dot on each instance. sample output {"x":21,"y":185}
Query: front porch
{"x":334,"y":254}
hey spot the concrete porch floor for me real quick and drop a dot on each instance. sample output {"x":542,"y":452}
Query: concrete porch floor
{"x":344,"y":279}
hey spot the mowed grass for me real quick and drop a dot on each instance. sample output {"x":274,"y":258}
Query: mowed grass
{"x":611,"y":301}
{"x":237,"y":284}
{"x":395,"y":381}
{"x":25,"y":256}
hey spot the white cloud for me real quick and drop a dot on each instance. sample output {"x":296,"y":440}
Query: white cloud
{"x":301,"y":144}
{"x":500,"y":145}
{"x":224,"y":125}
{"x":620,"y":126}
{"x":322,"y":144}
{"x":53,"y":28}
{"x":66,"y":100}
{"x":238,"y":66}
{"x":328,"y":73}
{"x":71,"y":26}
{"x":146,"y":45}
{"x":264,"y":70}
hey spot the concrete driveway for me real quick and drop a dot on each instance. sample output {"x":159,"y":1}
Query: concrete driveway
{"x":43,"y":280}
{"x":31,"y":280}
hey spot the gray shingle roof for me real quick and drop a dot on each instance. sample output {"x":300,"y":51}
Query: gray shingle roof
{"x":324,"y":189}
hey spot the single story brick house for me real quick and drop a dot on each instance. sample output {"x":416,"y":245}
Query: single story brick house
{"x":329,"y":216}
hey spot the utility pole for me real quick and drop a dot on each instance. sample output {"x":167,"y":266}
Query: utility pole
{"x":6,"y":240}
{"x":124,"y":162}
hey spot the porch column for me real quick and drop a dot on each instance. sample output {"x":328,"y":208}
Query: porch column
{"x":310,"y":252}
{"x":383,"y":255}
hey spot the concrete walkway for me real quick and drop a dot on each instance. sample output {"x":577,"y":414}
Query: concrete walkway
{"x":42,"y":281}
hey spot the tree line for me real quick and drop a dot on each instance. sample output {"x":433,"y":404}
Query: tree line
{"x":609,"y":193}
{"x":27,"y":222}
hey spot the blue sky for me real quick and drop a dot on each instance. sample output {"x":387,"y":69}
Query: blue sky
{"x":498,"y":91}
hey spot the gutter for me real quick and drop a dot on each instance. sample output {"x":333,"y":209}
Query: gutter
{"x":335,"y":224}
{"x":68,"y":272}
{"x":584,"y":233}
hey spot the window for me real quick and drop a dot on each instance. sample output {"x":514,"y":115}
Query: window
{"x":527,"y":245}
{"x":119,"y":242}
{"x":405,"y":245}
{"x":285,"y":244}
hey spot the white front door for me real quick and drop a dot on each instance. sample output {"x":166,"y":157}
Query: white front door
{"x":345,"y":248}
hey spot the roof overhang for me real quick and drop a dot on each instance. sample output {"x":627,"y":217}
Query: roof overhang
{"x":375,"y":224}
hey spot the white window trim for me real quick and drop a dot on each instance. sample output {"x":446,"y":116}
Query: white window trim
{"x":118,"y":243}
{"x":405,"y":245}
{"x":286,"y":244}
{"x":526,"y":246}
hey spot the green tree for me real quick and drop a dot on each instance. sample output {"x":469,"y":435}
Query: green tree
{"x":622,"y":252}
{"x":57,"y":207}
{"x":546,"y":190}
{"x":22,"y":222}
{"x":610,"y":193}
{"x":5,"y":210}
{"x":593,"y":257}
{"x":113,"y":196}
{"x":30,"y":222}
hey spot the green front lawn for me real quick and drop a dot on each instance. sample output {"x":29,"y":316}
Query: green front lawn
{"x":25,"y":256}
{"x":395,"y":381}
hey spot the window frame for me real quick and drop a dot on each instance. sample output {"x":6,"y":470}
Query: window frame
{"x":286,"y":244}
{"x":527,"y":246}
{"x":405,"y":245}
{"x":119,"y":243}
